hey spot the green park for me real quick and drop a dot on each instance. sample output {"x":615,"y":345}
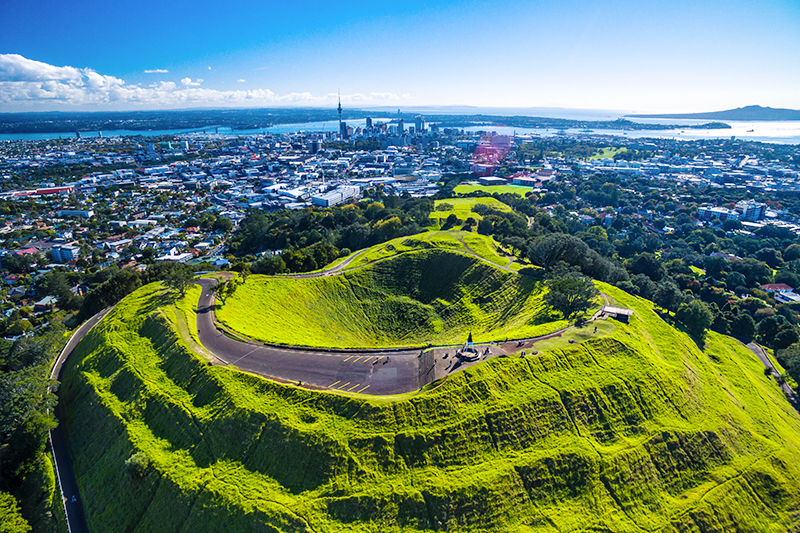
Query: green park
{"x":607,"y":425}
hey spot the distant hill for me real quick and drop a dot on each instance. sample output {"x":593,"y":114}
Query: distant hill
{"x":751,"y":112}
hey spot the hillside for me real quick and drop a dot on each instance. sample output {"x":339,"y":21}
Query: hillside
{"x":751,"y":112}
{"x":639,"y":430}
{"x":414,"y":296}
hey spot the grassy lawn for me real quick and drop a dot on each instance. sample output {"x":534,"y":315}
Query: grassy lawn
{"x":607,"y":153}
{"x":698,"y":272}
{"x":419,"y":296}
{"x":462,"y":208}
{"x":491,"y":189}
{"x":641,"y":429}
{"x":454,"y":240}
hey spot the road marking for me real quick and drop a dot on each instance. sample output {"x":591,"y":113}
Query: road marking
{"x":343,"y":386}
{"x":245,"y":355}
{"x":354,"y":386}
{"x":362,"y":390}
{"x":334,"y":383}
{"x":346,"y":360}
{"x":376,"y":360}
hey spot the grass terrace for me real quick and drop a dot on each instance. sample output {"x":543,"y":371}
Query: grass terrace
{"x":641,"y":430}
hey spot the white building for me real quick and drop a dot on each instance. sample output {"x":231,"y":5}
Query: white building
{"x":335,"y":197}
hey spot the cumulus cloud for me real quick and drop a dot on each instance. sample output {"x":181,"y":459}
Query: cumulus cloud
{"x":240,"y":80}
{"x":25,"y":83}
{"x":156,"y":71}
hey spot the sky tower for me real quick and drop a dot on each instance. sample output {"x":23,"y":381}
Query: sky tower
{"x":342,"y":125}
{"x":340,"y":111}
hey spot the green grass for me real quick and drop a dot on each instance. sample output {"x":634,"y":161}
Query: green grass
{"x":462,"y":208}
{"x":577,"y":334}
{"x":638,"y":430}
{"x":491,"y":189}
{"x":607,"y":153}
{"x":458,"y":241}
{"x":698,"y":272}
{"x":429,"y":295}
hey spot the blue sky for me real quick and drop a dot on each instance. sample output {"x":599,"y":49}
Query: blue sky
{"x":624,"y":55}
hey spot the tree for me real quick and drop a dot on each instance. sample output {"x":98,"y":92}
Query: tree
{"x":389,"y":229}
{"x":570,"y":294}
{"x":11,"y":520}
{"x":517,"y":244}
{"x":768,"y":328}
{"x":695,"y":317}
{"x":786,"y":336}
{"x":270,"y":265}
{"x":225,"y":289}
{"x":721,"y":324}
{"x":27,"y":405}
{"x":668,"y":296}
{"x":223,"y":224}
{"x":743,"y":326}
{"x":716,"y":266}
{"x":789,"y":358}
{"x":179,"y":278}
{"x":548,"y":250}
{"x":648,"y":265}
{"x":791,"y":252}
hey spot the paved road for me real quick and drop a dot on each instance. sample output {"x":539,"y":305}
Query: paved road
{"x":375,"y":372}
{"x":787,"y":390}
{"x":73,"y":505}
{"x":379,"y":373}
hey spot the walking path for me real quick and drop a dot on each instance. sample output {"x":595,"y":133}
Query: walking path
{"x":374,"y":372}
{"x":791,"y":395}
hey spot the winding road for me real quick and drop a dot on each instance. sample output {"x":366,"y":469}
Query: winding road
{"x":378,"y":372}
{"x":73,"y":506}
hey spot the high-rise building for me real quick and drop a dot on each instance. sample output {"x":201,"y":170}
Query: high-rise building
{"x":340,"y":113}
{"x":419,"y":122}
{"x":401,"y":127}
{"x":369,"y":123}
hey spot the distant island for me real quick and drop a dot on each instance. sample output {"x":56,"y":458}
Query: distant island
{"x":751,"y":112}
{"x":461,"y":121}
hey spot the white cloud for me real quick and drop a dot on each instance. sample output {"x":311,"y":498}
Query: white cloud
{"x":240,"y":80}
{"x":15,"y":68}
{"x":156,"y":71}
{"x":26,"y":84}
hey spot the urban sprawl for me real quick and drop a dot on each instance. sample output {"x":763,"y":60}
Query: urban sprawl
{"x":87,"y":203}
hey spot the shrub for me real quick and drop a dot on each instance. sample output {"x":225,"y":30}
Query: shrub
{"x":137,"y":464}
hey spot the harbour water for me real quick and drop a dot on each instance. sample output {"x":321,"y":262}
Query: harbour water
{"x":784,"y":132}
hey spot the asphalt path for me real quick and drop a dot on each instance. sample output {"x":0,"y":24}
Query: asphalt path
{"x":787,"y":390}
{"x":379,"y":372}
{"x":374,"y":372}
{"x":73,"y":505}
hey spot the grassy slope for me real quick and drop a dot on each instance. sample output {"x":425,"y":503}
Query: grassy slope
{"x":640,"y":430}
{"x":491,"y":189}
{"x":411,"y":299}
{"x":457,"y":241}
{"x":462,"y":208}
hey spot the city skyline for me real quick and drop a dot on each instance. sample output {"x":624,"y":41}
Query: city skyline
{"x":627,"y":56}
